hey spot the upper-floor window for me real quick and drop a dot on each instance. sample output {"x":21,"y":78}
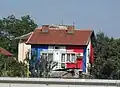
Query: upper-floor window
{"x":88,"y":52}
{"x":56,"y":47}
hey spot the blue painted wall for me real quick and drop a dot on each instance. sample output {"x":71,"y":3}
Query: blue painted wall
{"x":37,"y":48}
{"x":84,"y":60}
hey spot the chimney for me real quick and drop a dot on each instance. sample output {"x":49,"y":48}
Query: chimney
{"x":45,"y":28}
{"x":70,"y":29}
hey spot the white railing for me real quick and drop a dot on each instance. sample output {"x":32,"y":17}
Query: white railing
{"x":56,"y":82}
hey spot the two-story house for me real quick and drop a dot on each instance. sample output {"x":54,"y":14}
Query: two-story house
{"x":71,"y":48}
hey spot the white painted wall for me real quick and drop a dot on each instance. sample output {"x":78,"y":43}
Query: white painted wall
{"x":88,"y":56}
{"x":57,"y":54}
{"x":23,"y":50}
{"x":60,"y":48}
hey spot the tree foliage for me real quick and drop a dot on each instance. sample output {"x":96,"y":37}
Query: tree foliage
{"x":11,"y":27}
{"x":9,"y":66}
{"x":40,"y":67}
{"x":107,"y":57}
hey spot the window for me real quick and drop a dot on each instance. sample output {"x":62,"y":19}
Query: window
{"x":88,"y":53}
{"x":44,"y":55}
{"x":63,"y":58}
{"x":73,"y":58}
{"x":56,"y":47}
{"x":68,"y":58}
{"x":50,"y":56}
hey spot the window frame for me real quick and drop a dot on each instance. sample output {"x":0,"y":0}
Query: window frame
{"x":73,"y":59}
{"x":47,"y":52}
{"x":63,"y":58}
{"x":70,"y":59}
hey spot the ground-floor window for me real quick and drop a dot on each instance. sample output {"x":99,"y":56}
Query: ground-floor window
{"x":63,"y":58}
{"x":73,"y":57}
{"x":68,"y":57}
{"x":48,"y":56}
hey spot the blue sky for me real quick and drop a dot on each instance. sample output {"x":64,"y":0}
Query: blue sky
{"x":100,"y":15}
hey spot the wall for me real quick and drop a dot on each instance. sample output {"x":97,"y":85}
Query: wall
{"x":23,"y":50}
{"x":38,"y":49}
{"x":82,"y":64}
{"x":88,"y":57}
{"x":55,"y":82}
{"x":57,"y":55}
{"x":91,"y":54}
{"x":79,"y":61}
{"x":88,"y":50}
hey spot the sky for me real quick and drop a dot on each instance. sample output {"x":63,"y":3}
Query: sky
{"x":99,"y":15}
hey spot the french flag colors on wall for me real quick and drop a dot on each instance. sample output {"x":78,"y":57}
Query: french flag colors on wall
{"x":85,"y":54}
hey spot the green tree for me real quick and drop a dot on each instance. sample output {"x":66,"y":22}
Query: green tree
{"x":107,"y":57}
{"x":9,"y":66}
{"x":12,"y":27}
{"x":40,"y":67}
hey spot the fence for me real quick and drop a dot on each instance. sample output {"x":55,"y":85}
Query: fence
{"x":56,"y":82}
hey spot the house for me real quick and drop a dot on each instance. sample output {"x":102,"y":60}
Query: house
{"x":5,"y":52}
{"x":71,"y":48}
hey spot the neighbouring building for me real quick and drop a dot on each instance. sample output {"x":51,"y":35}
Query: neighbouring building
{"x":5,"y":52}
{"x":71,"y":48}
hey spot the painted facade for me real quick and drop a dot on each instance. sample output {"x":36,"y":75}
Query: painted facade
{"x":68,"y":57}
{"x":23,"y":50}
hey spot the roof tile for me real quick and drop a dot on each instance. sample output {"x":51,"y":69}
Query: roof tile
{"x":60,"y":37}
{"x":5,"y":52}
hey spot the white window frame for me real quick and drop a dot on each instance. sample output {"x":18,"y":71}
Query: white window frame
{"x":64,"y":58}
{"x":47,"y":52}
{"x":67,"y":57}
{"x":71,"y":60}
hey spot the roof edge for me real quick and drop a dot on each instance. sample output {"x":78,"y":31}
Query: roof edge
{"x":29,"y":37}
{"x":23,"y":36}
{"x":92,"y":33}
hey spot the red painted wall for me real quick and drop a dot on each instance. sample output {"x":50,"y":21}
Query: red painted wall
{"x":91,"y":54}
{"x":76,"y":49}
{"x":78,"y":62}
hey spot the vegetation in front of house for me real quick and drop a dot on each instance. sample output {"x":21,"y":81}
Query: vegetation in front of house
{"x":9,"y":66}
